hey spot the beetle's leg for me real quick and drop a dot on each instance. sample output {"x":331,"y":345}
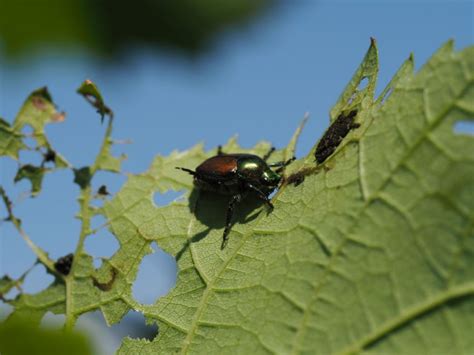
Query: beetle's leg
{"x":261,"y":194}
{"x":192,"y":172}
{"x":228,"y":220}
{"x":219,"y":150}
{"x":269,"y":153}
{"x":281,"y":164}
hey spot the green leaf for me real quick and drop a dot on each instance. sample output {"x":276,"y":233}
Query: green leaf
{"x":105,"y":160}
{"x":37,"y":111}
{"x":371,"y":253}
{"x":34,"y":307}
{"x":91,"y":93}
{"x":22,"y":337}
{"x":6,"y":284}
{"x":33,"y":173}
{"x":353,"y":96}
{"x":10,"y":141}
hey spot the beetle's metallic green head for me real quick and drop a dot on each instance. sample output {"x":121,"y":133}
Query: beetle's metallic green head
{"x":256,"y":170}
{"x":270,"y":178}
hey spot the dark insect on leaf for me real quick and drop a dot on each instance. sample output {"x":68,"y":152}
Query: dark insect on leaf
{"x":334,"y":135}
{"x":64,"y":263}
{"x":103,"y":191}
{"x":49,"y":156}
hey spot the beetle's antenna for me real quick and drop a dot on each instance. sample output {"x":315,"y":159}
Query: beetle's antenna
{"x":282,"y":163}
{"x":192,"y":172}
{"x":266,"y":156}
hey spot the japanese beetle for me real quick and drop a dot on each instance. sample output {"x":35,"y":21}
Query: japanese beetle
{"x":236,"y":175}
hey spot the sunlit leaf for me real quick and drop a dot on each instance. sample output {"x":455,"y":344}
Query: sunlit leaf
{"x":374,"y":252}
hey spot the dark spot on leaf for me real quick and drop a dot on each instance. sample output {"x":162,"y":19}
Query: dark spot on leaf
{"x":82,"y":177}
{"x":334,"y":135}
{"x":39,"y":103}
{"x":40,"y":98}
{"x":105,"y":286}
{"x":64,"y":263}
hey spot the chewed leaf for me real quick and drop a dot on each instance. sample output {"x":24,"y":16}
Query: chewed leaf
{"x":364,"y":255}
{"x":37,"y":111}
{"x":6,"y":284}
{"x":92,"y":94}
{"x":354,"y":97}
{"x":404,"y":72}
{"x":10,"y":140}
{"x":32,"y":173}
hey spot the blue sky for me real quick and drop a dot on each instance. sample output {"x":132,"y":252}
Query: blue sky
{"x":257,"y":83}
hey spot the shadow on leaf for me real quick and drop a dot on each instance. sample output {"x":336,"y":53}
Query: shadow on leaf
{"x":210,"y":208}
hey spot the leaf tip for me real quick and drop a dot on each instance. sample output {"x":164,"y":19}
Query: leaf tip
{"x":373,"y":42}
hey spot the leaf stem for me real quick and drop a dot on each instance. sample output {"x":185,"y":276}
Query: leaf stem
{"x":40,"y":253}
{"x":85,"y":217}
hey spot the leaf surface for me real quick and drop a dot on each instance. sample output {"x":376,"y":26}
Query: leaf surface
{"x":372,"y":252}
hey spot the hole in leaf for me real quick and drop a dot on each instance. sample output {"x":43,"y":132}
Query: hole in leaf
{"x":12,"y":293}
{"x":134,"y":325}
{"x":464,"y":127}
{"x":98,"y":333}
{"x":113,"y":182}
{"x":27,"y":130}
{"x":37,"y":280}
{"x":97,"y":221}
{"x":156,"y":276}
{"x":5,"y":311}
{"x":31,"y":157}
{"x":386,"y":96}
{"x":163,"y":199}
{"x":363,"y":84}
{"x":108,"y":339}
{"x":102,"y":244}
{"x":351,"y":99}
{"x":97,"y":262}
{"x":53,"y":321}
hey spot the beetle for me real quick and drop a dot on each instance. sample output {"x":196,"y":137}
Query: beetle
{"x":236,"y":175}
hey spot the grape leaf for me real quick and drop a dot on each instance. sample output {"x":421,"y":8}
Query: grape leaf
{"x":37,"y":111}
{"x":372,"y":252}
{"x":78,"y":287}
